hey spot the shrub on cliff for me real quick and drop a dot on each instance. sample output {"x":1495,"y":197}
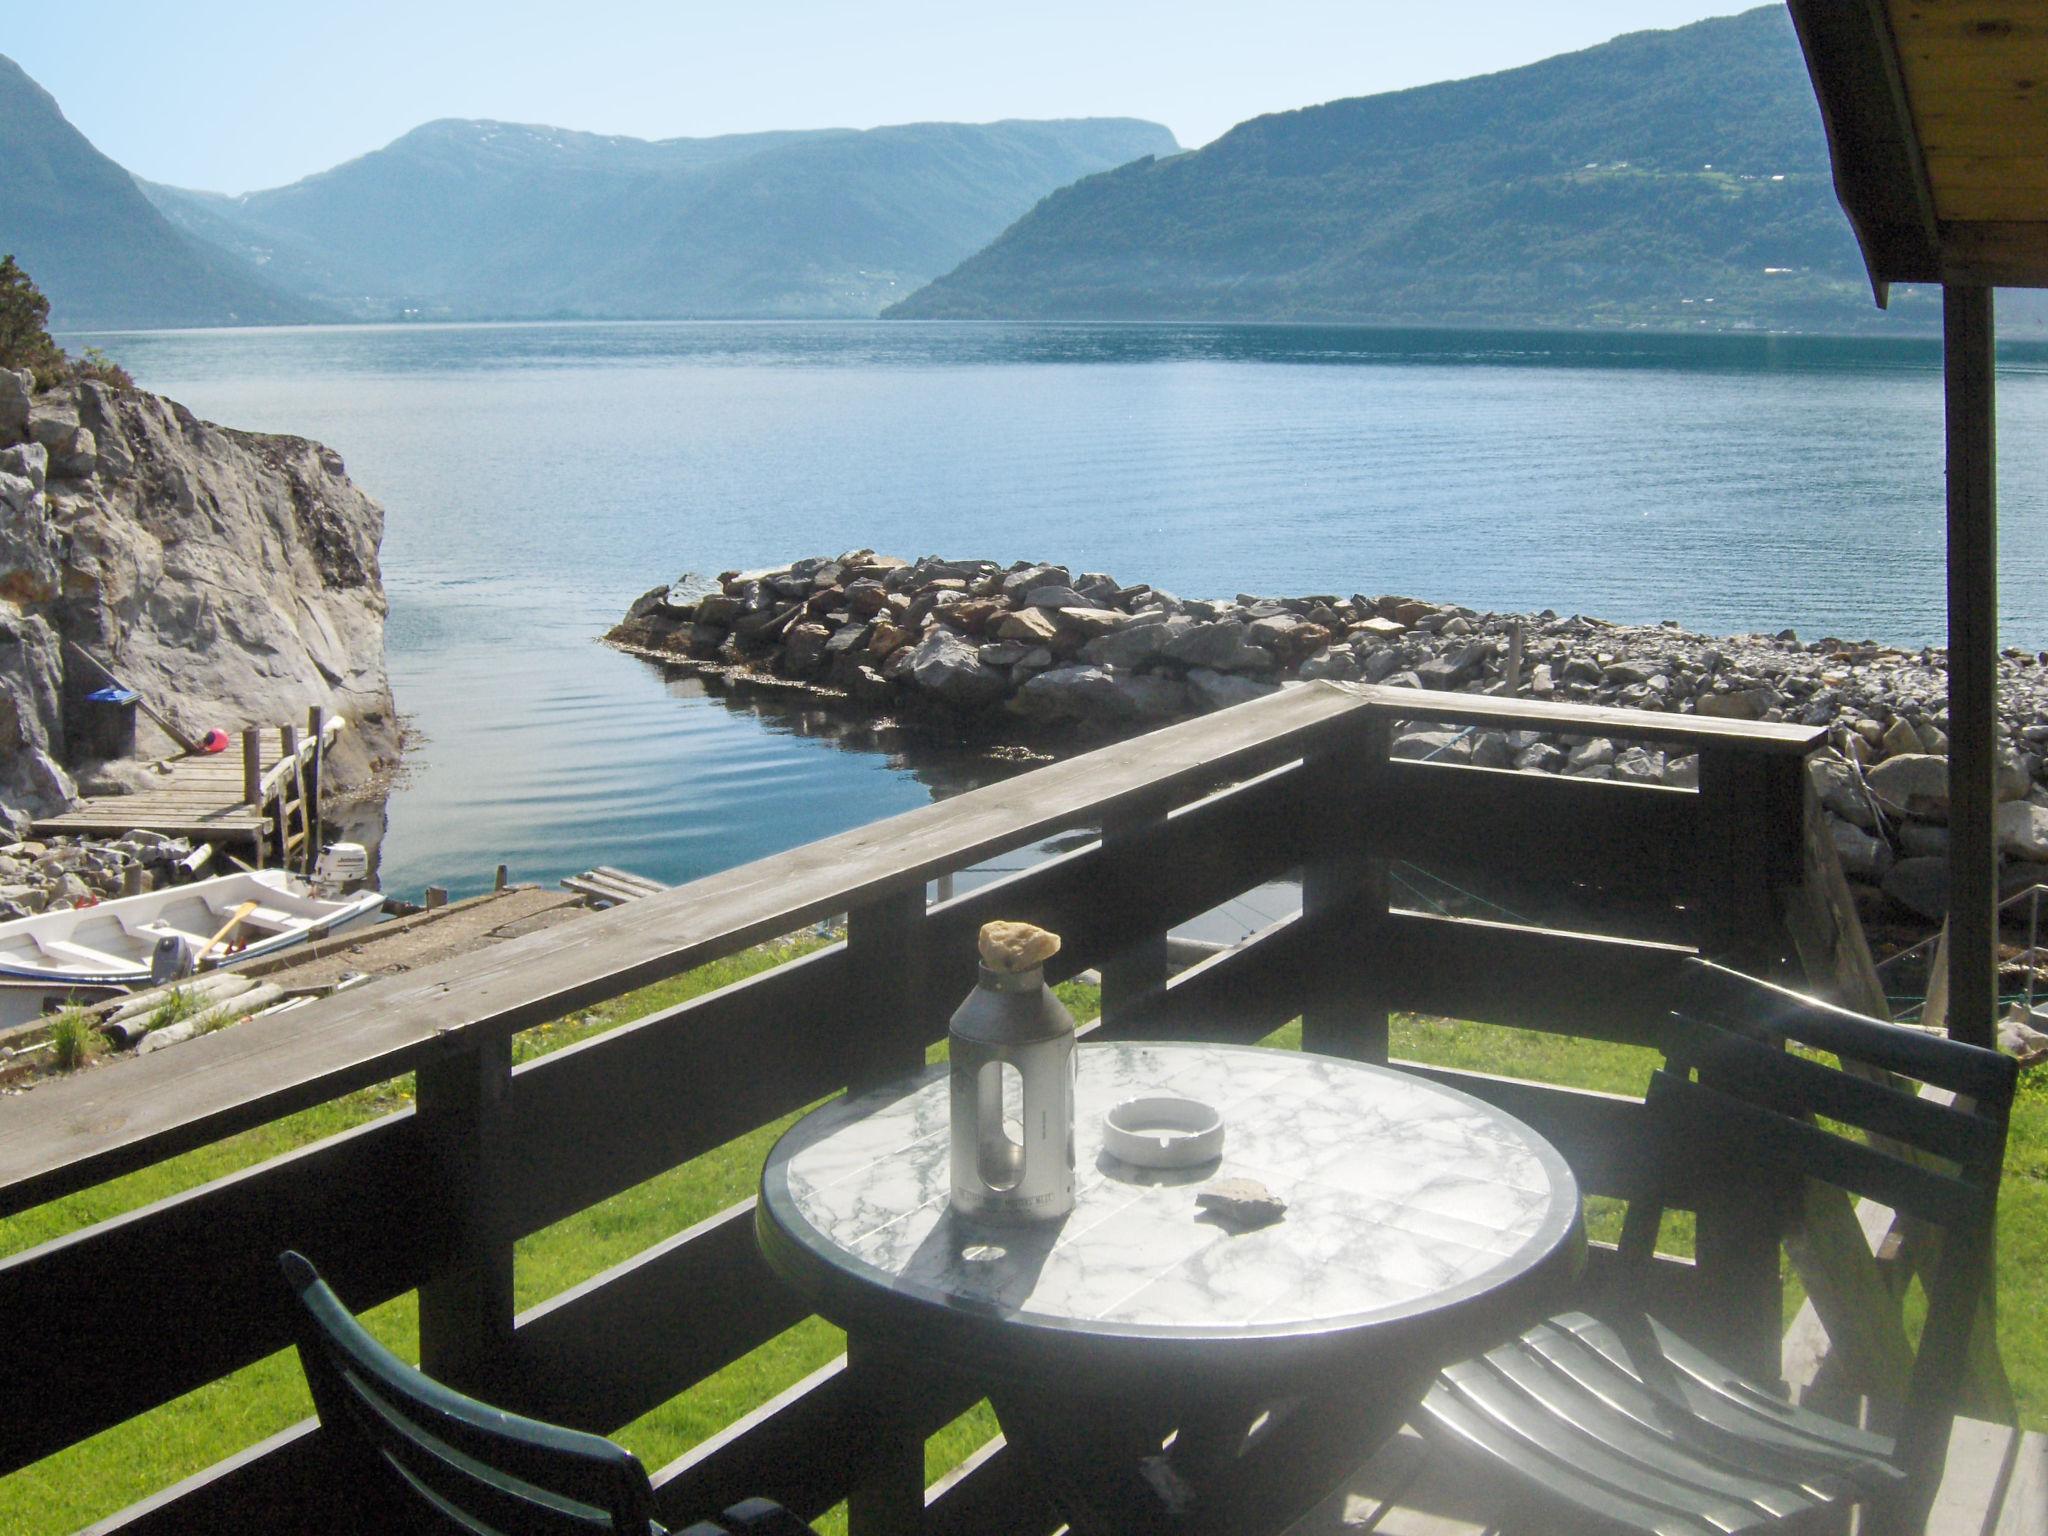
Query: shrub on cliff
{"x":24,"y":327}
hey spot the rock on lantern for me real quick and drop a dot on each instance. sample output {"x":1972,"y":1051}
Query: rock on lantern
{"x":1012,"y":1054}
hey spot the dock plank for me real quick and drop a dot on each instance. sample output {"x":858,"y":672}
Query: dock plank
{"x":198,"y":796}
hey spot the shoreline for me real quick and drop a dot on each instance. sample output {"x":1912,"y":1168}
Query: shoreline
{"x":1035,"y":654}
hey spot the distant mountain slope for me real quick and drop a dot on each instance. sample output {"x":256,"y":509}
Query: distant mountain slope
{"x":93,"y":243}
{"x":1664,"y":178}
{"x":464,"y":219}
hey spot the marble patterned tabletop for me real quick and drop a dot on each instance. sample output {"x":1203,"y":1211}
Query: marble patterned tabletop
{"x":1402,"y":1197}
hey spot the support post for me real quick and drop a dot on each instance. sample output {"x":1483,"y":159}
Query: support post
{"x":252,"y":766}
{"x":316,"y":738}
{"x":1135,"y":975}
{"x":1752,"y":845}
{"x":885,"y":973}
{"x":466,"y":1308}
{"x":889,"y":1501}
{"x":291,"y":790}
{"x":1968,"y":389}
{"x":1344,"y":888}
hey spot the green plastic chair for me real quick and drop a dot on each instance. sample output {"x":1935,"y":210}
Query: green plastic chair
{"x":458,"y":1464}
{"x":1617,"y":1424}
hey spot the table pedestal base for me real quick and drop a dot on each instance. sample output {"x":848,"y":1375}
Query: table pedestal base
{"x":1123,"y":1468}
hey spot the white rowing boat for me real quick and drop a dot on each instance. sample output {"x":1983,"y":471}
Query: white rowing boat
{"x":224,"y":920}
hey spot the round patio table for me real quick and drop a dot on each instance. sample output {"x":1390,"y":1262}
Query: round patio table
{"x":1421,"y":1225}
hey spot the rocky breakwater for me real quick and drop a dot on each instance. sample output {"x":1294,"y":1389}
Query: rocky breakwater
{"x":974,"y":642}
{"x":231,"y":577}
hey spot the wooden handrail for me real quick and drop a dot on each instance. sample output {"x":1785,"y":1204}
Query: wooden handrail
{"x":1503,"y":713}
{"x":71,"y":1134}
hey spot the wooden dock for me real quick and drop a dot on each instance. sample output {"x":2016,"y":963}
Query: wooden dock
{"x":261,"y":804}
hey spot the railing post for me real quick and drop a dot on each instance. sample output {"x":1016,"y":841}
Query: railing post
{"x":889,"y":1501}
{"x":288,"y":754}
{"x":1752,"y":825}
{"x":1752,"y":849}
{"x":316,"y":829}
{"x":252,"y":785}
{"x":1344,"y":889}
{"x":466,"y":1307}
{"x":1135,"y":975}
{"x":885,"y":975}
{"x":252,"y":766}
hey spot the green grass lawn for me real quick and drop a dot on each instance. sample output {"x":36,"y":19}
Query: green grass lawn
{"x":112,"y":1470}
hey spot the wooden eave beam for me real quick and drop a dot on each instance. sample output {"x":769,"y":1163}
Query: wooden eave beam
{"x":1880,"y":173}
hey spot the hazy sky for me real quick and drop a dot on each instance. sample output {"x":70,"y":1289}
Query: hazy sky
{"x":236,"y":96}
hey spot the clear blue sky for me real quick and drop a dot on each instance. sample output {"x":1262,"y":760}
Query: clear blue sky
{"x":235,"y":96}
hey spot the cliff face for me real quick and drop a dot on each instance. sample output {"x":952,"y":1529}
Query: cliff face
{"x":231,"y":577}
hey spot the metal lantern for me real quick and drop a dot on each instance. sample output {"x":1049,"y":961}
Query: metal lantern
{"x":1012,"y":1055}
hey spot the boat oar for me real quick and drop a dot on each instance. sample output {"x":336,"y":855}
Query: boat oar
{"x":235,"y":920}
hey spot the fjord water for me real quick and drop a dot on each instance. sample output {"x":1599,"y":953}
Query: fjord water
{"x":538,"y":477}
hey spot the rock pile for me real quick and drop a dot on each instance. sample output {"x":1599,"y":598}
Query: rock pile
{"x":60,"y":874}
{"x":1040,"y":644}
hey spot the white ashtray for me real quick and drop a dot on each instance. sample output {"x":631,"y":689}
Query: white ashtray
{"x":1163,"y":1132}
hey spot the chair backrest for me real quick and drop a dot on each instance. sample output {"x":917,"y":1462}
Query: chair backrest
{"x":1733,"y":1099}
{"x":479,"y":1468}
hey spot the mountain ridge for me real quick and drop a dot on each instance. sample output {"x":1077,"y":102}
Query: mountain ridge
{"x":1663,"y":178}
{"x":102,"y":254}
{"x":475,"y":218}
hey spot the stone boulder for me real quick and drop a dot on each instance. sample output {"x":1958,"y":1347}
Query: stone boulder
{"x":1218,"y":646}
{"x":1144,"y":639}
{"x":1221,"y":690}
{"x":1863,"y":857}
{"x":1915,"y":784}
{"x":1920,"y":886}
{"x":1839,"y":788}
{"x":1433,"y":744}
{"x":1032,"y":626}
{"x":946,"y":666}
{"x":2022,"y":830}
{"x":1089,"y":692}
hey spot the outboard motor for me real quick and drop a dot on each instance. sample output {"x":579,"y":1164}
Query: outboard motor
{"x":341,"y":870}
{"x":171,"y":960}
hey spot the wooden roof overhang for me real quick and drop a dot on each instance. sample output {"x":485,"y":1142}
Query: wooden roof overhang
{"x":1937,"y":122}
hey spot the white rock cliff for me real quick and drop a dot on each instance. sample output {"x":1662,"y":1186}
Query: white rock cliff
{"x":231,"y":577}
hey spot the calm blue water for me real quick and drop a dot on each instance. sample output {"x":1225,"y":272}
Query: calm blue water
{"x":538,"y":477}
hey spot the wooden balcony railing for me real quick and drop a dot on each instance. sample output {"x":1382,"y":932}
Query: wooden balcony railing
{"x":1188,"y":817}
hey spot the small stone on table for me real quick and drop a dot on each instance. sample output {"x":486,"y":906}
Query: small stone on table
{"x":1243,"y":1203}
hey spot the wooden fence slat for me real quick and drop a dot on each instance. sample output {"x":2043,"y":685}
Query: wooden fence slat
{"x":991,"y":1493}
{"x":610,"y":1112}
{"x":281,"y":1483}
{"x":1534,"y":978}
{"x":805,"y":1449}
{"x":217,"y":1245}
{"x":625,"y":1341}
{"x":1606,"y":833}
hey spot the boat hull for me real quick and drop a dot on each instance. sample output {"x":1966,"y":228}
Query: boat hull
{"x":112,"y":943}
